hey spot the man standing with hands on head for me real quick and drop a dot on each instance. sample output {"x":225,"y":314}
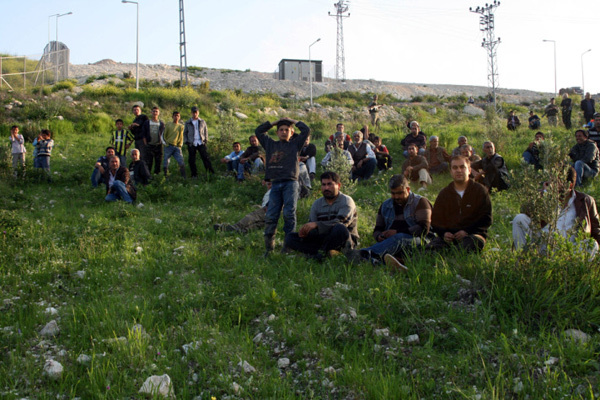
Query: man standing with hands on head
{"x":195,"y":136}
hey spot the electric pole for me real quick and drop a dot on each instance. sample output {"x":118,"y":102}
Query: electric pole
{"x":490,"y":43}
{"x":340,"y":61}
{"x":182,"y":48}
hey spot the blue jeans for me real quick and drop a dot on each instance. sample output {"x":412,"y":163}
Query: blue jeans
{"x":175,"y":152}
{"x":284,"y":195}
{"x":583,"y":171}
{"x":366,"y":170}
{"x":121,"y":193}
{"x":393,"y":244}
{"x":96,"y":178}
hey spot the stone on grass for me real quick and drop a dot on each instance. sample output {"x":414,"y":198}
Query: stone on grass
{"x":246,"y":367}
{"x":138,"y":329}
{"x":138,"y":250}
{"x":236,"y":388}
{"x":241,"y":115}
{"x":140,"y":205}
{"x":51,"y":311}
{"x":119,"y":340}
{"x":412,"y":339}
{"x":551,"y":361}
{"x":158,"y":385}
{"x":191,"y":346}
{"x":329,"y":370}
{"x":53,"y":369}
{"x":84,"y":359}
{"x":382,"y":332}
{"x":577,"y":336}
{"x":472,"y":110}
{"x":258,"y":337}
{"x":51,"y":329}
{"x":68,"y":98}
{"x":80,"y":274}
{"x":283,"y":363}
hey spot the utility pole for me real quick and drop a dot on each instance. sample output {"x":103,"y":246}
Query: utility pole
{"x":340,"y":61}
{"x":182,"y":48}
{"x":490,"y":43}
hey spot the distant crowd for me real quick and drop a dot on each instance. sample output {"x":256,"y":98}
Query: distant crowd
{"x":460,"y":217}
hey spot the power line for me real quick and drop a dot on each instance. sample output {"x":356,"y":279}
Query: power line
{"x":340,"y":61}
{"x":490,"y":43}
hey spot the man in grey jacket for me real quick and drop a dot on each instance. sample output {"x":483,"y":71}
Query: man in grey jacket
{"x":332,"y":222}
{"x":195,"y":136}
{"x":584,"y":154}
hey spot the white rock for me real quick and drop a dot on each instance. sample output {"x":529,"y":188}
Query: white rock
{"x":191,"y":346}
{"x":138,"y":250}
{"x":412,"y":339}
{"x":158,"y":385}
{"x":382,"y":332}
{"x":96,"y":104}
{"x":62,"y":353}
{"x":51,"y":311}
{"x":53,"y":369}
{"x":68,"y":98}
{"x":161,"y":296}
{"x":472,"y":110}
{"x":84,"y":359}
{"x":518,"y":388}
{"x":329,"y":370}
{"x":272,"y":317}
{"x":283,"y":363}
{"x":353,"y":313}
{"x":236,"y":388}
{"x":140,"y":205}
{"x":577,"y":336}
{"x":180,"y":248}
{"x":246,"y":367}
{"x":158,"y":220}
{"x":258,"y":337}
{"x":138,"y":330}
{"x":119,"y":340}
{"x":241,"y":115}
{"x":60,"y":118}
{"x":551,"y":361}
{"x":8,"y":106}
{"x":80,"y":274}
{"x":51,"y":329}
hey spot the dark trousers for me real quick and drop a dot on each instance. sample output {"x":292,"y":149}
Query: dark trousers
{"x":314,"y":243}
{"x":566,"y":115}
{"x":384,"y":161}
{"x":153,"y":153}
{"x":139,"y":144}
{"x":205,"y":159}
{"x":470,"y":244}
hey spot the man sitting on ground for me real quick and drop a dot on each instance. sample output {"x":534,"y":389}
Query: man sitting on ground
{"x":462,"y":140}
{"x":534,"y":121}
{"x":336,"y":152}
{"x":384,"y":160}
{"x":585,"y":157}
{"x":253,"y":220}
{"x":437,"y":157}
{"x":594,"y":132}
{"x":307,"y":156}
{"x":331,"y":141}
{"x":578,"y":211}
{"x":415,"y":167}
{"x":532,"y":154}
{"x":233,"y":159}
{"x":491,"y":170}
{"x":466,"y":150}
{"x":402,"y":224}
{"x":415,"y":137}
{"x":333,"y":220}
{"x":118,"y":185}
{"x":462,"y":212}
{"x":96,"y":174}
{"x":363,"y":156}
{"x":513,"y":121}
{"x":252,"y":160}
{"x":138,"y":171}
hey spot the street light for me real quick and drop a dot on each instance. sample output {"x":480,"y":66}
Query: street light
{"x":137,"y":44}
{"x":55,"y":48}
{"x":582,"y":81}
{"x":555,"y":87}
{"x":310,"y":71}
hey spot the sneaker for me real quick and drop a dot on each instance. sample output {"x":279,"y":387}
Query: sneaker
{"x":229,"y":228}
{"x":393,"y":262}
{"x":217,"y":227}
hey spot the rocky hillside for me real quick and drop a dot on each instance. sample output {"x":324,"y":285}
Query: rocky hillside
{"x":260,"y":82}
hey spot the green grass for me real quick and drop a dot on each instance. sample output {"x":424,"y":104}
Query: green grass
{"x":487,"y":324}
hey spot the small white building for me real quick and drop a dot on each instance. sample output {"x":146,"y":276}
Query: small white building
{"x":298,"y":70}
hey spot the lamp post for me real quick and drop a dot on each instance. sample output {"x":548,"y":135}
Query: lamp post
{"x":582,"y":80}
{"x":310,"y":71}
{"x":55,"y":49}
{"x":137,"y":44}
{"x":553,"y":42}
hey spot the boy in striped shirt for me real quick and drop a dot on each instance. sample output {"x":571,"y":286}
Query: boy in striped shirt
{"x":121,"y":139}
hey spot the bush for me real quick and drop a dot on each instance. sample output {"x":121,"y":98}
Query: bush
{"x":67,"y":84}
{"x":95,"y":123}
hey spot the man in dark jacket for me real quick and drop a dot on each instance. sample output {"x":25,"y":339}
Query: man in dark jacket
{"x":136,"y":129}
{"x":414,"y":137}
{"x":364,"y":158}
{"x":566,"y":106}
{"x":118,"y":185}
{"x":462,"y":212}
{"x":138,"y":171}
{"x":585,"y":156}
{"x":588,"y":106}
{"x":491,"y":170}
{"x":103,"y":160}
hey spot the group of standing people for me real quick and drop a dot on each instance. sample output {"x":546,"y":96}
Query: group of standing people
{"x":42,"y":146}
{"x":552,"y":111}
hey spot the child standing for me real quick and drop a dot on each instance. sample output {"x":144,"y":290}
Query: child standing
{"x":121,"y":139}
{"x":18,"y":151}
{"x":44,"y":150}
{"x":282,"y":170}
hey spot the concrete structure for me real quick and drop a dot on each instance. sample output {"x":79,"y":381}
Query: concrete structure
{"x":298,"y":70}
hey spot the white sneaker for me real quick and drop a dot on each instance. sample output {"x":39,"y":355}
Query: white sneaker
{"x":393,"y":262}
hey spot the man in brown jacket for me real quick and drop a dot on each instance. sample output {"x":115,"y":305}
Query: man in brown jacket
{"x":415,"y":167}
{"x":437,"y":157}
{"x":118,"y":185}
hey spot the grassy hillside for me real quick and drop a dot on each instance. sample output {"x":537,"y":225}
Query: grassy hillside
{"x":487,"y":326}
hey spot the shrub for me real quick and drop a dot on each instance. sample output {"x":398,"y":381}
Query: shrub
{"x":95,"y":123}
{"x":67,"y":84}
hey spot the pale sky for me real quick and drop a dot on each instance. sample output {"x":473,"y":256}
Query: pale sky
{"x":414,"y":41}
